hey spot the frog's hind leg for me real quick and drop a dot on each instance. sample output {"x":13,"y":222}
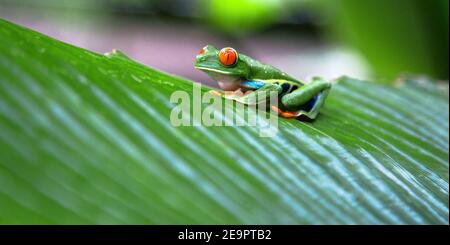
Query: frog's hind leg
{"x":319,"y":100}
{"x":307,"y":100}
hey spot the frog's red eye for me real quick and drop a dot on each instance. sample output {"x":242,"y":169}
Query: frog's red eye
{"x":228,"y":56}
{"x":202,"y":51}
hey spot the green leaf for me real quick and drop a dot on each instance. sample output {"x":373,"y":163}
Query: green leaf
{"x":87,"y":138}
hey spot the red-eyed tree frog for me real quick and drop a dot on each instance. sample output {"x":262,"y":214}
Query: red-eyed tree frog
{"x":242,"y":78}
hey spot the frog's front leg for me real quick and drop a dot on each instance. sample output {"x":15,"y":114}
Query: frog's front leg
{"x":259,"y":95}
{"x":250,"y":98}
{"x":227,"y":94}
{"x":307,"y":100}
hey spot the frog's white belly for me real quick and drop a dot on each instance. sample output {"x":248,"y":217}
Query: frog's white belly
{"x":227,"y":82}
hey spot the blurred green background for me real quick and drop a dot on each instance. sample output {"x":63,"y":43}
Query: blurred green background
{"x":371,"y":39}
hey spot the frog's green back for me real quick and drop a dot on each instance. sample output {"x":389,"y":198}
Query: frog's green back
{"x":263,"y":71}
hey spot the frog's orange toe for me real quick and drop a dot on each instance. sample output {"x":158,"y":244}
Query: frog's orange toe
{"x":276,"y":109}
{"x":214,"y":92}
{"x":288,"y":114}
{"x":285,"y":114}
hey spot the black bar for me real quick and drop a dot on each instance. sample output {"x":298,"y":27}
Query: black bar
{"x":224,"y":233}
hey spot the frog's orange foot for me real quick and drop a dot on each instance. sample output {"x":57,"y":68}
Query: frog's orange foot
{"x":285,"y":114}
{"x":214,"y":92}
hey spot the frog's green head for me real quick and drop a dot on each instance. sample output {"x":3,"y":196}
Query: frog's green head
{"x":226,"y":66}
